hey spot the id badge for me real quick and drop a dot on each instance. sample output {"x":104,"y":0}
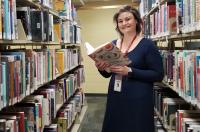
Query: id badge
{"x":118,"y":83}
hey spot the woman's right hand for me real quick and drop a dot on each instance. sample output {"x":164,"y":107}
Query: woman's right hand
{"x":101,"y":65}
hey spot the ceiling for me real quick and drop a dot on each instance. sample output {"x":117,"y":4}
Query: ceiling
{"x":102,"y":4}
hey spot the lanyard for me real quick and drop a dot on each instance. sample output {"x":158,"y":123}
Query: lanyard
{"x":128,"y":45}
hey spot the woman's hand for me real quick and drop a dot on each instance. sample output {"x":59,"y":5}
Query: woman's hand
{"x":122,"y":70}
{"x":101,"y":65}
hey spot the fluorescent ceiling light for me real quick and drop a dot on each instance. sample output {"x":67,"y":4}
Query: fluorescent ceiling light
{"x":108,"y":7}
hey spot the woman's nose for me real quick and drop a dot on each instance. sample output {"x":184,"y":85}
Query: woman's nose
{"x":124,"y":22}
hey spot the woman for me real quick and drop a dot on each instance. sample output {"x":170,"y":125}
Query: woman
{"x":130,"y":94}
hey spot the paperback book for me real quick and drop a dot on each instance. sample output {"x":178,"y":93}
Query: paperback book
{"x":109,"y":53}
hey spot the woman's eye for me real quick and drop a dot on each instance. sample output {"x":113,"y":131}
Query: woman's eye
{"x":127,"y":19}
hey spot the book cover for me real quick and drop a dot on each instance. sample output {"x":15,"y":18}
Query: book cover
{"x":3,"y":84}
{"x":60,"y":56}
{"x":185,"y":114}
{"x":5,"y":80}
{"x":107,"y":52}
{"x":23,"y":13}
{"x":20,"y":58}
{"x":188,"y":122}
{"x":37,"y":27}
{"x":195,"y":127}
{"x":2,"y":125}
{"x":57,"y":30}
{"x":51,"y":128}
{"x":46,"y":26}
{"x":171,"y":17}
{"x":1,"y":21}
{"x":10,"y":60}
{"x":19,"y":116}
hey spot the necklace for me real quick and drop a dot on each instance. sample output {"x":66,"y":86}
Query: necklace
{"x":126,"y":51}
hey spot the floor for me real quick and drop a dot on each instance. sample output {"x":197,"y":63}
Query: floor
{"x":93,"y":118}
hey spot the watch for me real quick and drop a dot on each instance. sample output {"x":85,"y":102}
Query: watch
{"x":129,"y":69}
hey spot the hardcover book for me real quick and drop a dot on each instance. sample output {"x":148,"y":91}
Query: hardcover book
{"x":37,"y":25}
{"x":107,"y":52}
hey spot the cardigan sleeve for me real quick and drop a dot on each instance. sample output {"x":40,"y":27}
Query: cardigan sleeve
{"x":105,"y":74}
{"x":154,"y":71}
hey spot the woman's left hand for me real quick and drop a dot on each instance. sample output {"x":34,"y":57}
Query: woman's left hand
{"x":122,"y":70}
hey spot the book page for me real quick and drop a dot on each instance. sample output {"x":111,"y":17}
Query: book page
{"x":89,"y":48}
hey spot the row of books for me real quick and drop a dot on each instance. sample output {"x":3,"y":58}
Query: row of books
{"x":47,"y":3}
{"x":26,"y":23}
{"x":68,"y":112}
{"x":189,"y":13}
{"x":65,"y":8}
{"x":146,"y":5}
{"x":188,"y":121}
{"x":67,"y":115}
{"x":70,"y":31}
{"x":176,"y":114}
{"x":8,"y":15}
{"x":44,"y":106}
{"x":67,"y":59}
{"x":34,"y":116}
{"x":38,"y":25}
{"x":171,"y":17}
{"x":164,"y":20}
{"x":23,"y":71}
{"x":70,"y":83}
{"x":182,"y":72}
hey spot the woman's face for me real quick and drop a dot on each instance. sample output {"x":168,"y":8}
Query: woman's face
{"x":126,"y":22}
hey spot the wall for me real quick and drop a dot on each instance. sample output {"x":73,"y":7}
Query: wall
{"x":97,"y":28}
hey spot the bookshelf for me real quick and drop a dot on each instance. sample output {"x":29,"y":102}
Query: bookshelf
{"x":41,"y":71}
{"x":79,"y":119}
{"x":174,"y":26}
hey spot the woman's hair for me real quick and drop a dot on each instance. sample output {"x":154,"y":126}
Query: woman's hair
{"x":136,"y":15}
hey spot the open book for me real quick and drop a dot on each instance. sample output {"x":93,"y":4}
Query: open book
{"x":107,"y":52}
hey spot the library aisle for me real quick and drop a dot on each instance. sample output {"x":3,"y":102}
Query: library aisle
{"x":93,"y":118}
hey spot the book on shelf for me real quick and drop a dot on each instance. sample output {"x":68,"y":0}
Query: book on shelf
{"x":19,"y":116}
{"x":107,"y":52}
{"x":37,"y":25}
{"x":23,"y":14}
{"x":189,"y":122}
{"x":51,"y":128}
{"x":181,"y":114}
{"x":3,"y":125}
{"x":170,"y":106}
{"x":11,"y":123}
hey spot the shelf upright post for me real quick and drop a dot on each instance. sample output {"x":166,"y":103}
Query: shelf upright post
{"x":171,"y":45}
